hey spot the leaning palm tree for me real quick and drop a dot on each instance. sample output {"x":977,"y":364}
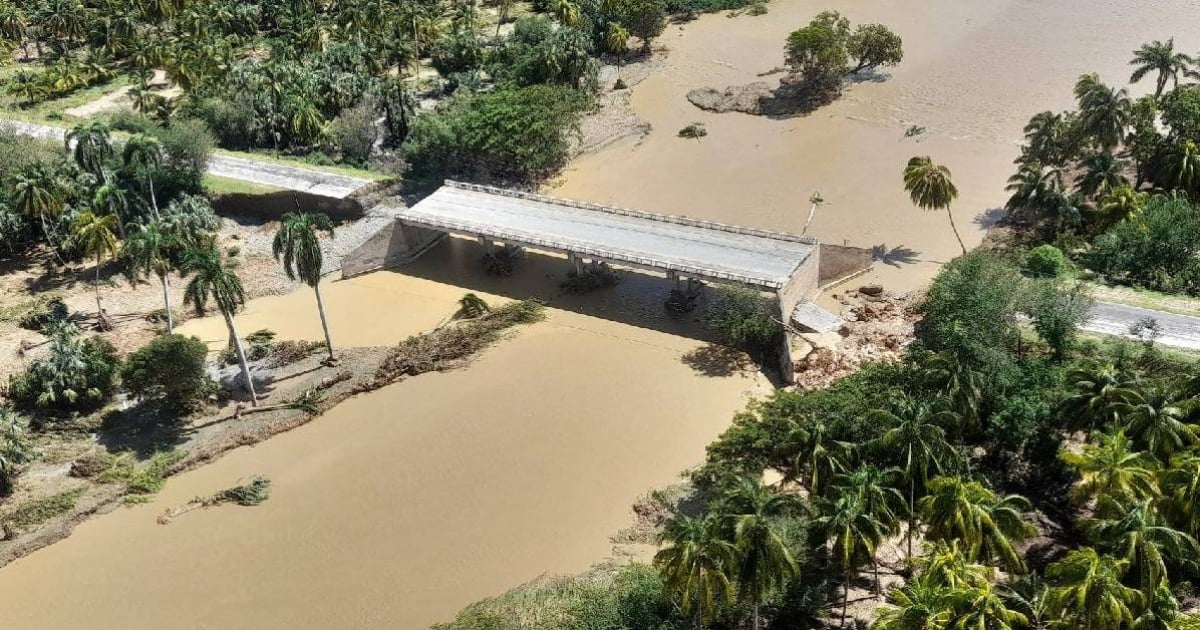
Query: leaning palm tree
{"x":988,"y":525}
{"x":143,"y":156}
{"x":297,"y":244}
{"x":1141,"y":538}
{"x":1159,"y":57}
{"x":1089,"y":594}
{"x":915,"y":441}
{"x":695,"y":564}
{"x":214,"y":278}
{"x":93,"y":235}
{"x":930,"y":188}
{"x":148,"y":251}
{"x":763,"y":561}
{"x":1112,"y":472}
{"x":854,"y":534}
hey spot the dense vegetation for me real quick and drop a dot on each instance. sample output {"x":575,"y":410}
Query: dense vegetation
{"x":1114,"y":182}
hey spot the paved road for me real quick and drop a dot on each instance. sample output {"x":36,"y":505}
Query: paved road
{"x":241,"y":169}
{"x":1179,"y":331}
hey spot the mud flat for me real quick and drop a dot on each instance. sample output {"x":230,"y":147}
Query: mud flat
{"x":973,"y":74}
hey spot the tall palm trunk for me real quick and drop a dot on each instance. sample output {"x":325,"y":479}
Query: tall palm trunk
{"x":955,"y":228}
{"x":154,"y":200}
{"x":846,"y":597}
{"x":875,"y":566}
{"x":912,"y":513}
{"x":96,"y":283}
{"x":241,"y":357}
{"x":324,"y":322}
{"x":755,"y":615}
{"x":166,"y":289}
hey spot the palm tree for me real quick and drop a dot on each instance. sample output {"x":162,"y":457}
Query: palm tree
{"x":959,"y":382}
{"x":1103,"y":111}
{"x":567,"y":13}
{"x":695,"y":564}
{"x":1112,"y":471}
{"x":930,"y":188}
{"x":143,"y":156}
{"x":1088,"y":592}
{"x":1035,"y":189}
{"x":855,"y":535}
{"x":1102,"y":174}
{"x":93,"y":147}
{"x":1120,"y":204}
{"x":816,"y":454}
{"x":1159,"y":57}
{"x":214,"y":278}
{"x":1157,"y":422}
{"x":983,"y":606}
{"x":1181,"y":492}
{"x":917,"y":444}
{"x":880,"y":500}
{"x":1182,"y":168}
{"x":111,"y":199}
{"x":94,"y":237}
{"x":763,"y":561}
{"x":148,"y":251}
{"x":1046,"y":139}
{"x":918,"y":605}
{"x":617,"y":40}
{"x":299,"y":247}
{"x":989,"y":525}
{"x":1140,"y":538}
{"x":1100,"y":395}
{"x":38,"y":192}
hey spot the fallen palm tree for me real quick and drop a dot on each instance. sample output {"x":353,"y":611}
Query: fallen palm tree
{"x":253,"y":493}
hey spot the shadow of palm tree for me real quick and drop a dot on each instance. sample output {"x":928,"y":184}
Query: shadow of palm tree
{"x":988,"y":218}
{"x":896,"y":256}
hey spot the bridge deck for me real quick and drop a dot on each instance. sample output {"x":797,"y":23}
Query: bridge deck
{"x":668,"y":243}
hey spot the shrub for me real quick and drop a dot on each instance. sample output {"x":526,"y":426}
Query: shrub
{"x":186,"y":145}
{"x":593,"y":278}
{"x":540,"y":53}
{"x":1157,"y":250}
{"x":353,"y":134}
{"x":1181,"y":111}
{"x":510,"y":134}
{"x":456,"y":52}
{"x":233,"y":121}
{"x":79,"y":374}
{"x":169,"y":374}
{"x":503,"y":261}
{"x":743,"y":317}
{"x":131,"y":121}
{"x":1046,"y":261}
{"x":15,"y":450}
{"x":1057,"y":314}
{"x":35,"y":314}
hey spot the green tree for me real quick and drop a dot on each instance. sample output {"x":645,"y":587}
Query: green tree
{"x":818,"y":53}
{"x":989,"y":525}
{"x":1112,"y":472}
{"x":76,"y":374}
{"x":854,"y":533}
{"x":92,"y":147}
{"x":1161,"y":58}
{"x":1088,"y":592}
{"x":1103,"y":173}
{"x":93,"y":235}
{"x":1180,"y":486}
{"x":1104,"y":112}
{"x":214,"y":278}
{"x":695,"y":564}
{"x":1058,"y":312}
{"x":617,"y":40}
{"x":1048,"y":140}
{"x":763,"y":561}
{"x":169,"y":373}
{"x":297,"y":244}
{"x":143,"y":157}
{"x":1120,"y":204}
{"x":874,"y":45}
{"x":15,"y":449}
{"x":38,"y":192}
{"x":818,"y":456}
{"x":645,"y":19}
{"x":930,"y":188}
{"x":915,"y":441}
{"x":149,"y":250}
{"x":1139,"y":537}
{"x":1157,"y":420}
{"x":881,"y":501}
{"x":1099,"y":393}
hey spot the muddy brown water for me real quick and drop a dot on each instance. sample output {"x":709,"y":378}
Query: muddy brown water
{"x":398,"y":507}
{"x":973,"y":74}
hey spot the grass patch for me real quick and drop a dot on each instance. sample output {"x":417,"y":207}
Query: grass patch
{"x":140,"y":480}
{"x":37,"y":512}
{"x":1144,"y":298}
{"x":53,"y":111}
{"x":34,"y":313}
{"x":217,"y":186}
{"x":446,"y":348}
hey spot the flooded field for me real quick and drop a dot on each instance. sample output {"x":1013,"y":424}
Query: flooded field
{"x":399,"y":507}
{"x":973,"y":74}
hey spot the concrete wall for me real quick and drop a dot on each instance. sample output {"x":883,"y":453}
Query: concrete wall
{"x":394,"y":245}
{"x":839,"y":262}
{"x":803,"y":286}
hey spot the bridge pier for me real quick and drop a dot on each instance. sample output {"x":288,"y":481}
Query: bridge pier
{"x":486,"y":244}
{"x":577,"y":261}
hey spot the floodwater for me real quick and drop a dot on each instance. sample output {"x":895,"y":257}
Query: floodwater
{"x":399,"y":507}
{"x":973,"y":74}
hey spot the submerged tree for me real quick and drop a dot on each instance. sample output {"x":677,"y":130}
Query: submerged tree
{"x":298,"y":245}
{"x":930,"y":188}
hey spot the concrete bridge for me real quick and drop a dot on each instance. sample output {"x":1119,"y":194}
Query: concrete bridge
{"x":786,"y":265}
